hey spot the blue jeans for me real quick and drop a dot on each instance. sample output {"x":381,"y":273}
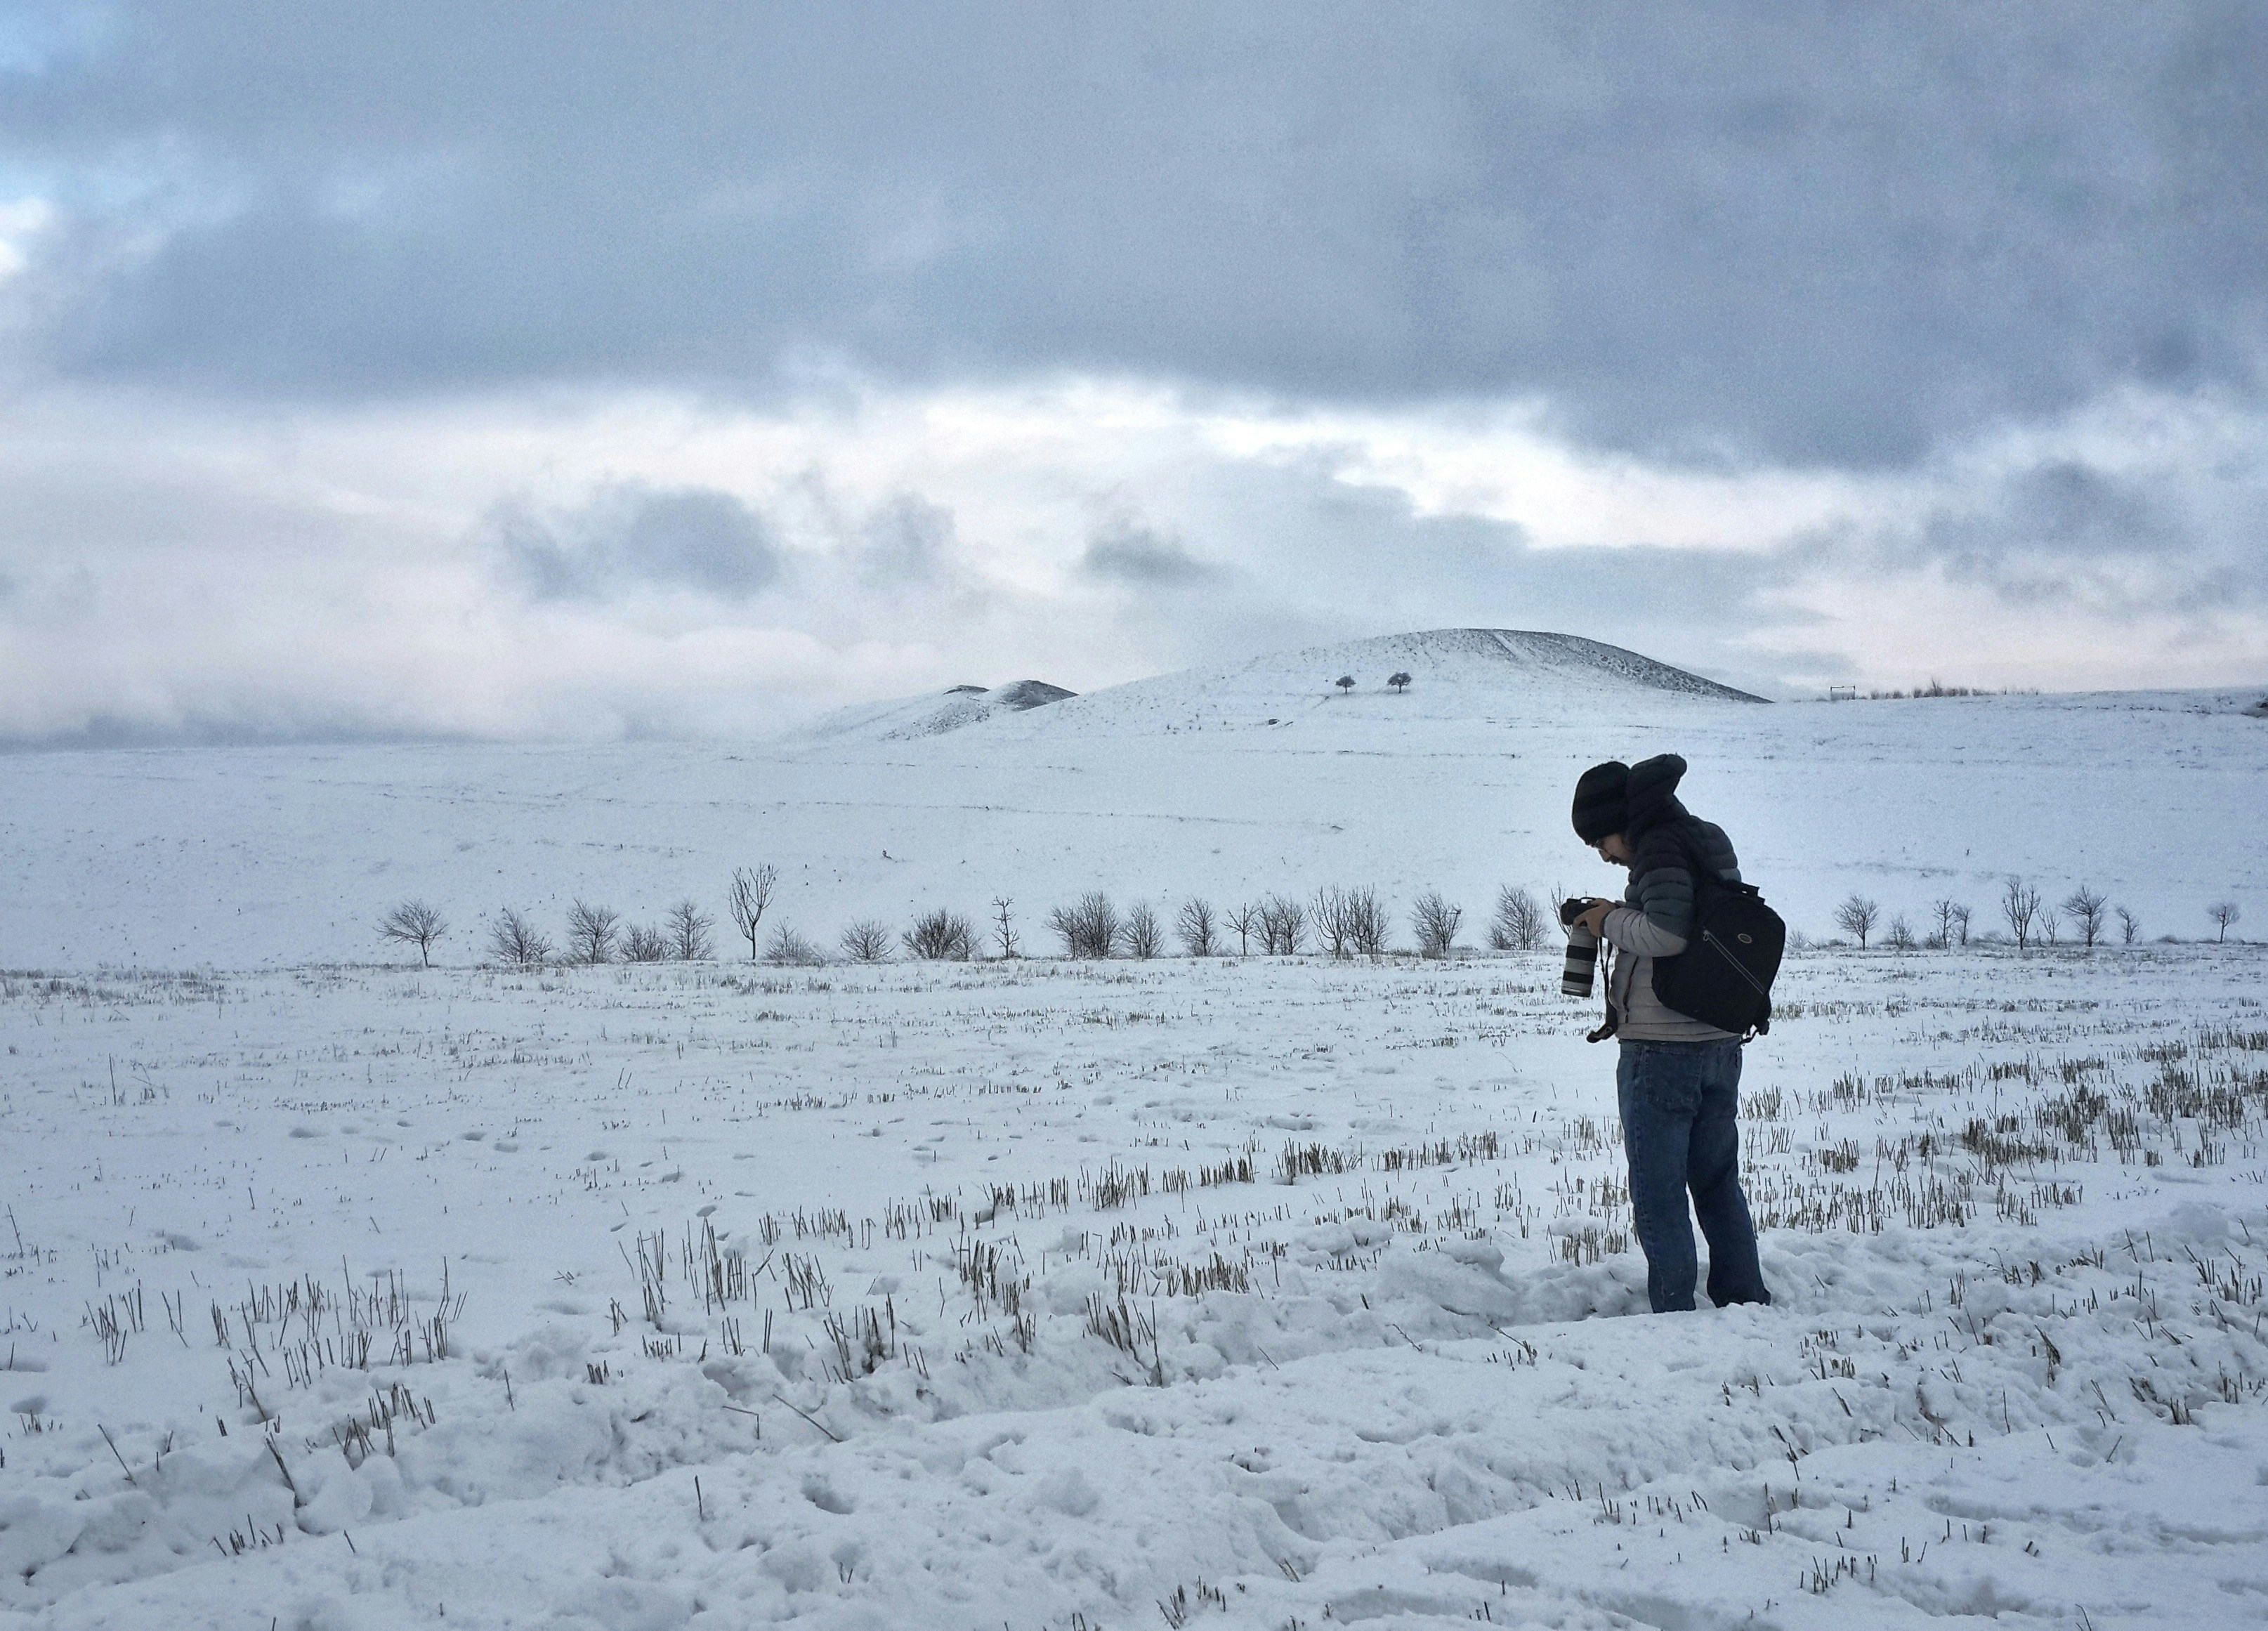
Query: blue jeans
{"x":1678,"y":1101}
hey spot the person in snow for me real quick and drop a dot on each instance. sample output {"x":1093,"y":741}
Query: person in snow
{"x":1678,"y":1079}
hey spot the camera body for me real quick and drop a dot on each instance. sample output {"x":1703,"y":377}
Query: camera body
{"x":1573,"y":907}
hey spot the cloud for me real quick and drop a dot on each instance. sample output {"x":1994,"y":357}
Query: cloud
{"x":2070,"y":534}
{"x":907,"y":540}
{"x":632,"y":536}
{"x":1743,"y":232}
{"x":181,"y":573}
{"x":1140,"y":558}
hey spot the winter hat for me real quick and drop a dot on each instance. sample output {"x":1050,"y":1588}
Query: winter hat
{"x":1602,"y":800}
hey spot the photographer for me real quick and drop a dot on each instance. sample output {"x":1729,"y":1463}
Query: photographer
{"x":1678,"y":1078}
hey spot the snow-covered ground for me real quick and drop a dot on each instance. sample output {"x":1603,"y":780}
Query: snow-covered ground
{"x":1274,"y":1291}
{"x":1231,"y":783}
{"x":1257,"y":1292}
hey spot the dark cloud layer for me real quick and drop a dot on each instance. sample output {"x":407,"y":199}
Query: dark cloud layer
{"x":1123,"y":553}
{"x":633,"y":537}
{"x":1835,"y":234}
{"x":2063,"y":534}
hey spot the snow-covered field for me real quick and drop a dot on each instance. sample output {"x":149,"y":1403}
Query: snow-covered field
{"x":1227,"y":784}
{"x":1257,"y":1292}
{"x":1039,"y":1295}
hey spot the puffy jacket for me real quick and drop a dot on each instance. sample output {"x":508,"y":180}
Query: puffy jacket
{"x":1657,"y":914}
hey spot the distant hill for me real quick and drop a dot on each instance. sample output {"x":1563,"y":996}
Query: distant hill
{"x":909,"y":719}
{"x":1455,"y":674}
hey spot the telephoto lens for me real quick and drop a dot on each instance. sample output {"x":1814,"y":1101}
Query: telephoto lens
{"x":1582,"y":952}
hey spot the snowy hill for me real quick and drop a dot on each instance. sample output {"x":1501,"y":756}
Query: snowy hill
{"x":908,"y":718}
{"x":1454,"y":675}
{"x":1458,"y":674}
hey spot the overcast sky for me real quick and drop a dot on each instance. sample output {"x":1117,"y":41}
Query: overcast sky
{"x":572,"y":369}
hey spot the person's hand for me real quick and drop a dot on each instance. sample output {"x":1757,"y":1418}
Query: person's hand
{"x":1593,"y":919}
{"x":1573,"y":909}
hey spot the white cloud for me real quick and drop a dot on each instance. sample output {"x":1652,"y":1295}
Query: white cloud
{"x":21,"y":221}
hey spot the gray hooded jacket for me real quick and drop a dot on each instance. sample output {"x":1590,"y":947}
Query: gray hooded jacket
{"x":1656,"y":918}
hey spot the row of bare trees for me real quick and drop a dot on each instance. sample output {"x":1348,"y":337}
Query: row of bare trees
{"x":1339,"y":921}
{"x":593,"y":934}
{"x":2031,"y":919}
{"x":598,"y":934}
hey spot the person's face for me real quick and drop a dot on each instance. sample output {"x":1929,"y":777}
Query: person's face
{"x":1614,"y":847}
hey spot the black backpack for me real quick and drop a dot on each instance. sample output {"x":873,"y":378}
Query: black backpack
{"x":1724,"y":975}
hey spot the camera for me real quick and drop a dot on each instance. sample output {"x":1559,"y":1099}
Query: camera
{"x":1573,"y":907}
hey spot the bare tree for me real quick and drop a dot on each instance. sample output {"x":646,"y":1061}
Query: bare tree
{"x":1345,"y":682}
{"x":1400,"y":682}
{"x":1350,"y":922}
{"x":1369,"y":925}
{"x":1501,"y":934}
{"x":1003,"y":928}
{"x":1435,"y":922}
{"x":688,"y":928}
{"x":1856,"y":917}
{"x":516,"y":942}
{"x":1089,"y":928}
{"x":1517,"y":925}
{"x":591,"y":932}
{"x":1558,"y":901}
{"x":1530,"y":921}
{"x":1943,"y":912}
{"x":1960,"y":925}
{"x":1146,"y":936}
{"x":752,"y":892}
{"x":642,"y":944}
{"x":1245,"y":919}
{"x":2129,"y":926}
{"x":1193,"y":924}
{"x":414,"y":923}
{"x":2089,"y":911}
{"x":2051,"y":925}
{"x":1105,"y":932}
{"x":1900,"y":934}
{"x":941,"y":936}
{"x":866,"y":941}
{"x":2221,"y":914}
{"x":1282,"y":926}
{"x":789,"y":950}
{"x":2020,"y":905}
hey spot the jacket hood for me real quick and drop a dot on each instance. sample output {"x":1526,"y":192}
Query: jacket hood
{"x":1654,"y":792}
